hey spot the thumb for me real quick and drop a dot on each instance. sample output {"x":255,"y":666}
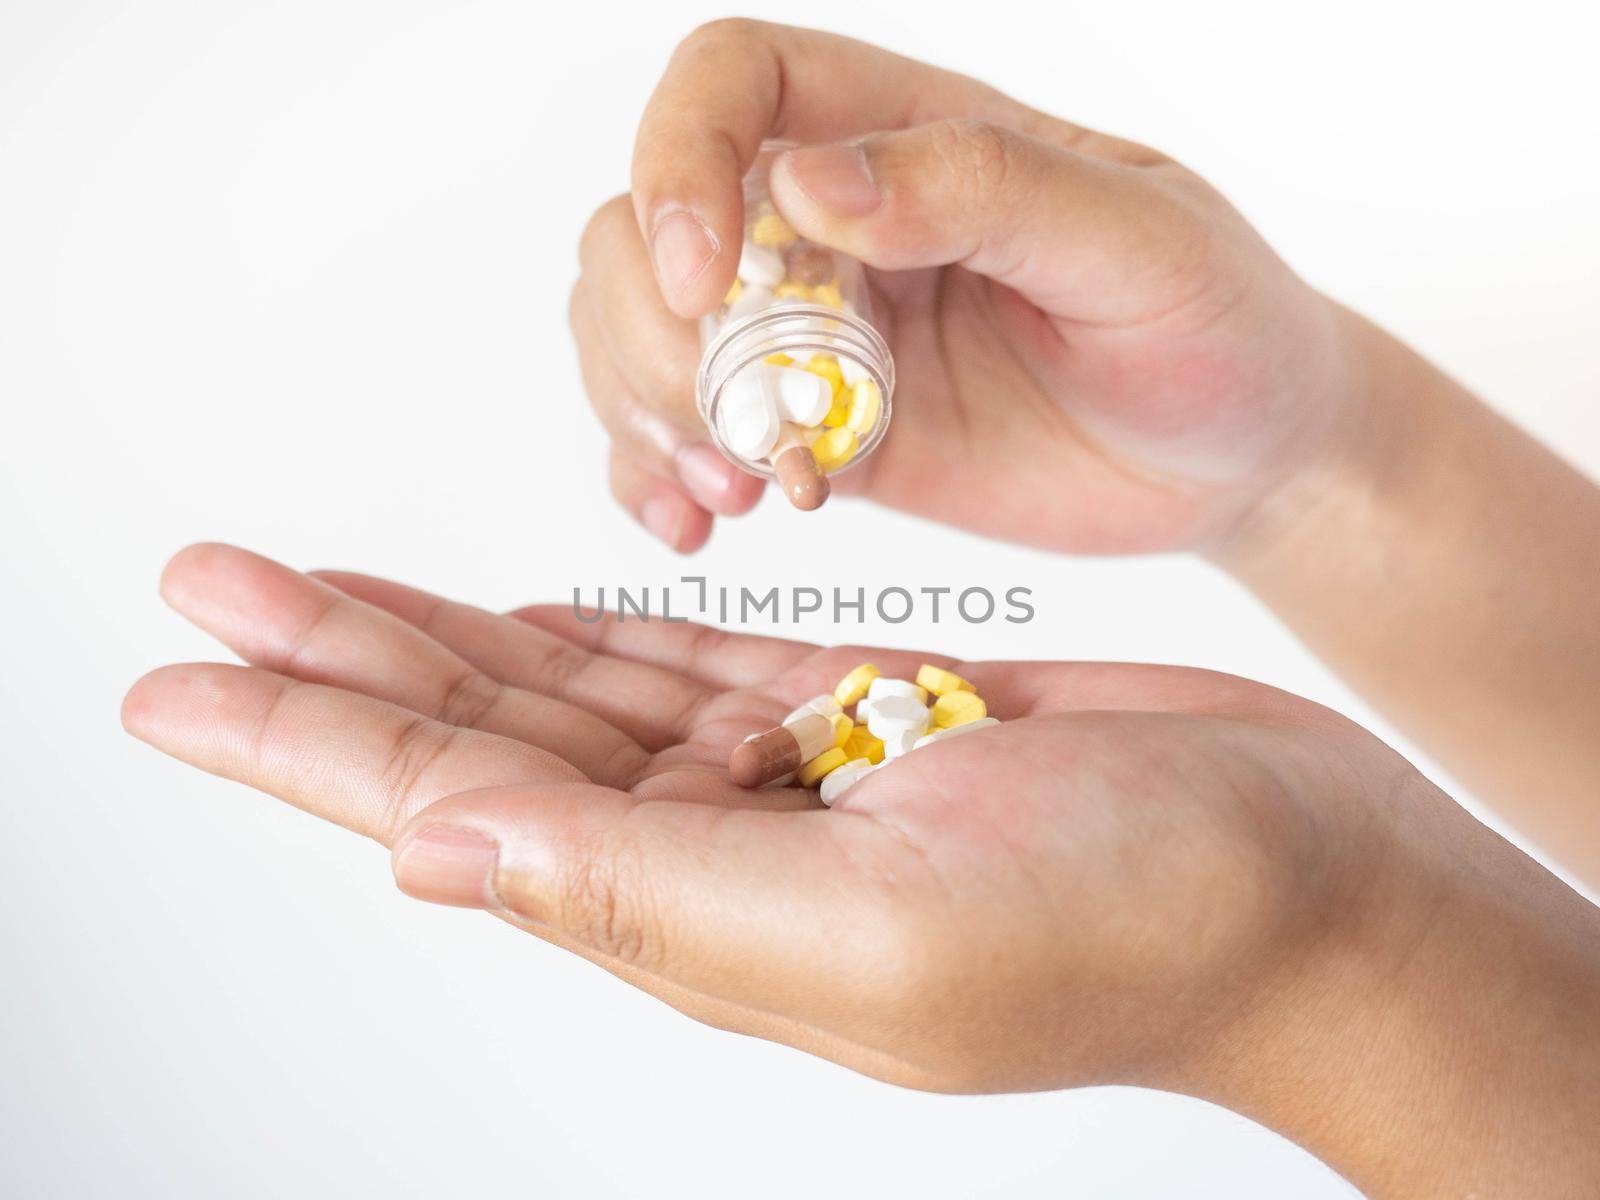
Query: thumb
{"x":1080,"y":236}
{"x":745,"y":905}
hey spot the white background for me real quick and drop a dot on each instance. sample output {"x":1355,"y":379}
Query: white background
{"x":294,"y":275}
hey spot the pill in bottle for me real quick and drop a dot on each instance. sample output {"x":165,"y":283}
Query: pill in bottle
{"x":794,"y":383}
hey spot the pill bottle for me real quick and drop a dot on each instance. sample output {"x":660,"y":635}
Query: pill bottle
{"x":795,"y":306}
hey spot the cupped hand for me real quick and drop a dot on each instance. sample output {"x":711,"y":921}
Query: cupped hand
{"x":1104,"y":887}
{"x":1095,"y":352}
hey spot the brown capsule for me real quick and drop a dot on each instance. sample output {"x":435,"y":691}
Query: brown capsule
{"x":809,"y":265}
{"x":796,"y":468}
{"x":764,"y":757}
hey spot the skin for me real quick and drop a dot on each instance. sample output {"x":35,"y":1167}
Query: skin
{"x":1177,"y":879}
{"x":1100,"y":321}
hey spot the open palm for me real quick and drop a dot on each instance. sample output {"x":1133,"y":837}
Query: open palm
{"x":1111,"y":865}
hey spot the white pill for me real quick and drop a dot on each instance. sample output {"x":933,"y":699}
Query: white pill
{"x":852,"y":370}
{"x":882,"y":686}
{"x":839,"y":780}
{"x":940,"y":734}
{"x":750,"y":300}
{"x":824,"y":704}
{"x":760,"y":265}
{"x":749,"y":421}
{"x":893,"y":715}
{"x":801,"y":396}
{"x":903,"y":742}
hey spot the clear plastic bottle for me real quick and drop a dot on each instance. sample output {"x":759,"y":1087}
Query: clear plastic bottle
{"x":796,"y":306}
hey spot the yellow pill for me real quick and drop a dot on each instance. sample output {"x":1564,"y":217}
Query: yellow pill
{"x":834,"y":448}
{"x":957,"y":708}
{"x":733,"y":292}
{"x":843,"y":726}
{"x":839,"y":413}
{"x":827,"y":366}
{"x":792,"y":291}
{"x":861,"y":744}
{"x":939,"y":681}
{"x":811,"y":774}
{"x":865,"y":400}
{"x":827,"y":293}
{"x":770,"y":229}
{"x":854,"y":685}
{"x":779,"y":359}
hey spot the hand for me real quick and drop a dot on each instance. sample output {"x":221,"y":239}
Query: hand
{"x":1145,"y":874}
{"x":1095,"y":352}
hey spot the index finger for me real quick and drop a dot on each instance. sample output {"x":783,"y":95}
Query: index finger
{"x":733,"y":83}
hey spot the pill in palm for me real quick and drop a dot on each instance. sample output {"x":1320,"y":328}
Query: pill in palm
{"x":838,"y":781}
{"x":855,"y":684}
{"x":939,"y":735}
{"x":893,"y":715}
{"x":819,"y":741}
{"x":939,"y":681}
{"x":764,"y":757}
{"x":884,"y":686}
{"x":958,"y":708}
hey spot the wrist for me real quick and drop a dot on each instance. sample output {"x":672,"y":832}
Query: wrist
{"x":1342,"y":483}
{"x":1442,"y":1036}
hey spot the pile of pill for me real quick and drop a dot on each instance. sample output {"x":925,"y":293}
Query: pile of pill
{"x":804,"y":418}
{"x":820,"y":744}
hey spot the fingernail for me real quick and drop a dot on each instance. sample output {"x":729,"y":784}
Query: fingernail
{"x":683,"y":247}
{"x":706,"y":473}
{"x":837,"y":178}
{"x":448,"y":864}
{"x":660,"y":517}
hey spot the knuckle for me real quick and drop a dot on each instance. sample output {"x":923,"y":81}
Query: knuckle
{"x":469,"y":699}
{"x":977,"y":154}
{"x":417,"y":746}
{"x":606,"y":905}
{"x":723,"y":33}
{"x":612,"y":219}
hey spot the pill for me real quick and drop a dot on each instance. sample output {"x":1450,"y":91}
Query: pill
{"x":900,"y":743}
{"x":843,"y":726}
{"x":852,"y":370}
{"x":811,"y":773}
{"x":958,"y":708}
{"x":749,"y":420}
{"x":855,"y":684}
{"x":733,"y":293}
{"x":828,"y":294}
{"x":769,"y":229}
{"x":939,"y":681}
{"x":824,"y":704}
{"x":779,"y":359}
{"x":838,"y":413}
{"x":827,"y":366}
{"x":760,"y":265}
{"x":865,"y":401}
{"x":764,"y":757}
{"x":799,"y":474}
{"x":801,"y":396}
{"x":809,"y":265}
{"x":841,"y":779}
{"x":939,"y":735}
{"x":892,"y":715}
{"x":833,"y":449}
{"x":884,"y":686}
{"x":861,"y":744}
{"x":789,"y":290}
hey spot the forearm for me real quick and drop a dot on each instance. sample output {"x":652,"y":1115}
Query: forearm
{"x":1449,"y":567}
{"x":1443,"y":1038}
